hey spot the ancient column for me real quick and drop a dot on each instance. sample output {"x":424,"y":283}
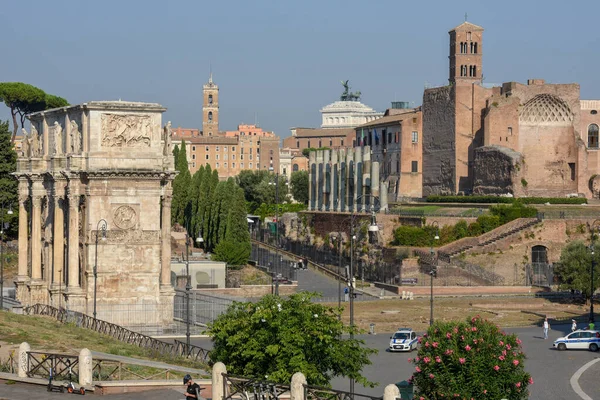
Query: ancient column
{"x":311,"y":180}
{"x":73,"y":239}
{"x":357,"y":178}
{"x":36,"y":235}
{"x":319,"y":182}
{"x":23,"y":231}
{"x":333,"y":177}
{"x":58,"y":240}
{"x":375,"y":184}
{"x":45,"y":135}
{"x":383,"y":197}
{"x":347,"y":179}
{"x":85,"y":132}
{"x":366,"y":180}
{"x":325,"y":187}
{"x":165,"y":272}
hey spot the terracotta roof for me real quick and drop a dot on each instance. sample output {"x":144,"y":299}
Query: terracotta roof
{"x":321,"y":132}
{"x":466,"y":26}
{"x":390,"y":119}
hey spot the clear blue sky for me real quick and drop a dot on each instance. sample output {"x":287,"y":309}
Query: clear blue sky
{"x":284,"y":60}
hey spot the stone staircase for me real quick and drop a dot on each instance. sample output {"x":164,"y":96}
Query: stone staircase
{"x":481,"y":242}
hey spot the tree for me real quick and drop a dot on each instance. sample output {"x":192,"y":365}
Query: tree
{"x":470,"y":360}
{"x":23,"y":99}
{"x":299,"y":183}
{"x":574,"y":268}
{"x":235,"y":248}
{"x":278,"y":337}
{"x":8,"y":183}
{"x":181,"y":211}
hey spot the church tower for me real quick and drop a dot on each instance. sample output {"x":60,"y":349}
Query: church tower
{"x":210,"y":109}
{"x":465,"y":53}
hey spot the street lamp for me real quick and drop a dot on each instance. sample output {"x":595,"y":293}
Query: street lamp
{"x":593,"y":267}
{"x":277,"y":260}
{"x":101,"y":226}
{"x":373,"y":228}
{"x":433,"y":270}
{"x":339,"y":277}
{"x":188,"y":288}
{"x":3,"y":226}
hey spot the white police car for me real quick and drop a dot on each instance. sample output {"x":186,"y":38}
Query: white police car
{"x":405,"y":339}
{"x":581,"y":339}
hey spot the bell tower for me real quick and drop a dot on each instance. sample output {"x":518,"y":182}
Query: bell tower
{"x":466,"y":53}
{"x":210,"y":108}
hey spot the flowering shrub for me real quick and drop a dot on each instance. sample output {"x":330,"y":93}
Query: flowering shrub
{"x":470,"y":360}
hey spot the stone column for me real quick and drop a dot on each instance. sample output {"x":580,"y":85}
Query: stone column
{"x":165,"y":272}
{"x":45,"y":135}
{"x":217,"y":380}
{"x":85,"y":132}
{"x":22,"y":363}
{"x":375,"y":184}
{"x":391,"y":392}
{"x":67,"y":134}
{"x":73,"y":239}
{"x":23,"y":233}
{"x":312,"y":179}
{"x":58,"y":240}
{"x":333,"y":173}
{"x":319,"y":181}
{"x":297,"y":386}
{"x":36,"y":236}
{"x":357,"y":178}
{"x":325,"y":187}
{"x":85,"y":368}
{"x":347,"y":179}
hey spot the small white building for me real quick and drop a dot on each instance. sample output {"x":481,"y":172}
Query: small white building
{"x":347,"y":114}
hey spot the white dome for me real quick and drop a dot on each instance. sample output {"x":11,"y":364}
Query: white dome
{"x":355,"y":106}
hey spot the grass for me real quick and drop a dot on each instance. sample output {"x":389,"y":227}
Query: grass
{"x":45,"y":334}
{"x":388,"y":315}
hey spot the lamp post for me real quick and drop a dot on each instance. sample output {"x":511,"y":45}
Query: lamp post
{"x":433,"y":270}
{"x":3,"y":226}
{"x":188,"y":288}
{"x":373,"y":228}
{"x":338,"y":238}
{"x":101,"y":226}
{"x":277,"y":260}
{"x":593,"y":267}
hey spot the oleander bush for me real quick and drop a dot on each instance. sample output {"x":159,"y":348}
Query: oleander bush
{"x":473,"y":359}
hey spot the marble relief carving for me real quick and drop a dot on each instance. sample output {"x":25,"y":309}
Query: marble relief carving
{"x":35,"y":143}
{"x":57,"y":130}
{"x":126,"y":130}
{"x":25,"y":144}
{"x":75,"y":135}
{"x":125,"y":217}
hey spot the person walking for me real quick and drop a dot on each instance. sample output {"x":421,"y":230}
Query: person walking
{"x":591,"y":326}
{"x":573,"y":326}
{"x":192,"y":389}
{"x":546,"y":327}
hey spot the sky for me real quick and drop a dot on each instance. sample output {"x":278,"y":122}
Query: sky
{"x":281,"y":61}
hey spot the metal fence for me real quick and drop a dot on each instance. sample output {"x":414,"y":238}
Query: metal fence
{"x":280,"y":266}
{"x":204,"y":309}
{"x":539,"y":274}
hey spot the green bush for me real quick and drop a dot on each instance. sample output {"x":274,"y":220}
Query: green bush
{"x":411,"y":236}
{"x":505,"y":200}
{"x":509,"y":213}
{"x":461,"y":229}
{"x":475,"y":229}
{"x":473,"y":359}
{"x":488,"y":222}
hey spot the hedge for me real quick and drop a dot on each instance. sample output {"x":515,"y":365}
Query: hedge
{"x":505,"y":200}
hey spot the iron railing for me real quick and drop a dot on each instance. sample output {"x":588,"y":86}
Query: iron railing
{"x":323,"y":393}
{"x":235,"y":387}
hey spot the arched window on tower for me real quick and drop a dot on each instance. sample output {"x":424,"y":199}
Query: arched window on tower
{"x":462,"y":47}
{"x":593,"y":136}
{"x":210,"y":99}
{"x":475,"y":48}
{"x":210,"y":115}
{"x":468,"y":35}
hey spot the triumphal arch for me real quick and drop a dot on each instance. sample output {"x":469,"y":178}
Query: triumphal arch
{"x":95,"y":211}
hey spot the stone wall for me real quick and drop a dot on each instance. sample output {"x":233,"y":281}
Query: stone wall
{"x":439,"y":164}
{"x":496,"y":170}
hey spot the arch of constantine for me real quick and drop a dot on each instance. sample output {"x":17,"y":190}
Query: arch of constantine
{"x":97,"y":176}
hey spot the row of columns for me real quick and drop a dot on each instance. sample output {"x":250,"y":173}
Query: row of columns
{"x":345,"y":180}
{"x":37,"y":193}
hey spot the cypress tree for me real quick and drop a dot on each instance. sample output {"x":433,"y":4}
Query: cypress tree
{"x":181,"y":211}
{"x":235,"y":248}
{"x":194,"y":194}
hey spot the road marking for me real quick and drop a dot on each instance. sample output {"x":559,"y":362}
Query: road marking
{"x":577,"y":375}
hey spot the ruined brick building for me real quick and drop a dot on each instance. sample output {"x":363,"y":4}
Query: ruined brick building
{"x":538,"y":139}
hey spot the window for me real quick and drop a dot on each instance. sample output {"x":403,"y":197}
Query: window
{"x":539,"y":255}
{"x":320,"y":145}
{"x":250,"y":165}
{"x":194,"y":164}
{"x":389,"y":137}
{"x":225,"y":157}
{"x":510,"y":131}
{"x":193,"y":156}
{"x":297,"y":144}
{"x":210,"y":99}
{"x":206,"y":148}
{"x":271,"y":152}
{"x":308,"y":144}
{"x":251,"y":156}
{"x":232,"y":148}
{"x":593,"y":136}
{"x":415,"y":137}
{"x":414,"y":121}
{"x":594,"y":112}
{"x":232,"y":165}
{"x":233,"y":156}
{"x":224,"y":165}
{"x":284,"y":171}
{"x":572,"y":168}
{"x":295,"y":167}
{"x":193,"y":148}
{"x":207,"y":156}
{"x":330,"y":142}
{"x":217,"y":148}
{"x":342,"y":142}
{"x":250,"y":150}
{"x":217,"y":157}
{"x":474,"y":48}
{"x":414,"y":166}
{"x":217,"y":165}
{"x":209,"y":133}
{"x":241,"y":156}
{"x":468,"y":35}
{"x":242,"y":165}
{"x":210,"y":115}
{"x":225,"y":148}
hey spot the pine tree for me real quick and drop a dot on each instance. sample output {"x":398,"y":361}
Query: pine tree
{"x":8,"y":183}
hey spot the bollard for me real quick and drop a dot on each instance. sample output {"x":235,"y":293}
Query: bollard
{"x":24,"y":348}
{"x":296,"y":386}
{"x":217,"y":380}
{"x":412,"y":296}
{"x":371,"y":329}
{"x":404,"y":295}
{"x":382,"y":292}
{"x":85,"y":367}
{"x":391,"y":392}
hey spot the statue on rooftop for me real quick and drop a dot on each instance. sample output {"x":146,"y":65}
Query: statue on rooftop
{"x":347,"y":95}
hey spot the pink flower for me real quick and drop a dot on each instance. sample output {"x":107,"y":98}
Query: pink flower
{"x":503,"y":352}
{"x":474,"y":329}
{"x":519,"y":341}
{"x":417,"y":359}
{"x":419,"y":340}
{"x":516,"y":362}
{"x":485,"y":391}
{"x":426,"y":344}
{"x":462,"y":337}
{"x":508,"y":346}
{"x":455,"y":330}
{"x":496,"y":368}
{"x":530,"y":380}
{"x":518,"y":384}
{"x":467,"y":347}
{"x":421,"y":398}
{"x":501,"y":343}
{"x":417,"y":369}
{"x":435,"y":344}
{"x":438,"y":359}
{"x":475,"y":341}
{"x":410,"y":360}
{"x":431,"y":376}
{"x":448,"y":352}
{"x":501,"y":358}
{"x":462,"y":360}
{"x":448,"y":335}
{"x":426,"y":360}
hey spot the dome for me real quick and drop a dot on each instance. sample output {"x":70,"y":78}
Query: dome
{"x":546,"y":109}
